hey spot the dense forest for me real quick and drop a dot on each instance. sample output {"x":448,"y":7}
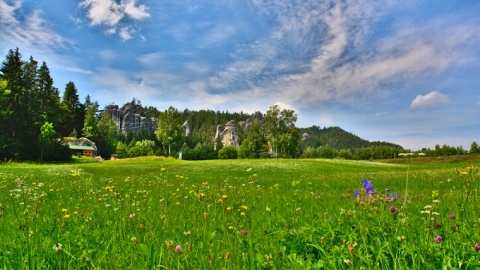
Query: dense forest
{"x":36,"y":119}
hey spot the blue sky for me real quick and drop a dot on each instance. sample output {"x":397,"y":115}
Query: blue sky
{"x":404,"y":71}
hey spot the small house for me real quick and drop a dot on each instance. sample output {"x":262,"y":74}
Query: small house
{"x":84,"y":150}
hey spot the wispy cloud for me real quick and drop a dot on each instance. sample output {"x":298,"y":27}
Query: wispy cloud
{"x":329,"y":51}
{"x":29,"y":31}
{"x":432,"y":99}
{"x":115,"y":16}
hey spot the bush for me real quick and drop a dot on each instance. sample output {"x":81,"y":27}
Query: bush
{"x":228,"y":152}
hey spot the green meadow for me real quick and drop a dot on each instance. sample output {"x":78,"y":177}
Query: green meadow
{"x":162,"y":213}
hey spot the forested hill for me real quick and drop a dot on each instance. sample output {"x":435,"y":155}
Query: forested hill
{"x":336,"y":138}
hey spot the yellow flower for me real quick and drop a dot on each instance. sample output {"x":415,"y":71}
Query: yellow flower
{"x":224,"y":197}
{"x":229,"y":209}
{"x":242,"y":214}
{"x":64,"y":210}
{"x":163,"y":169}
{"x":66,"y":216}
{"x":244,"y":207}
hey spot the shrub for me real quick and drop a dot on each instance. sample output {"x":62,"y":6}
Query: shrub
{"x":228,"y":152}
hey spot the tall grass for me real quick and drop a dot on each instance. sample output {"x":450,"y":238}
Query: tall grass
{"x":162,"y":213}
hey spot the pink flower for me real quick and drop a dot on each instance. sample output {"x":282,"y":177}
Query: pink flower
{"x":438,"y":239}
{"x":178,"y":249}
{"x":477,"y":247}
{"x":392,"y":208}
{"x":244,"y":232}
{"x":452,"y":216}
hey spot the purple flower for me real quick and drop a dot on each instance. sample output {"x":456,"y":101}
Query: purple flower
{"x":477,"y":247}
{"x":178,"y":249}
{"x":355,"y":194}
{"x":452,"y":216}
{"x":368,"y":187}
{"x":438,"y":239}
{"x":392,"y":208}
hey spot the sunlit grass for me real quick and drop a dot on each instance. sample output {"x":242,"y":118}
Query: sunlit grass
{"x":157,"y":213}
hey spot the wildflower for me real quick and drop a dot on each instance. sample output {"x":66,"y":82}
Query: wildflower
{"x":355,"y":194}
{"x":369,"y":190}
{"x":186,"y":233}
{"x":178,"y":249}
{"x":229,"y":209}
{"x":57,"y":247}
{"x":131,"y":215}
{"x":244,"y":207}
{"x":244,"y":232}
{"x":392,"y":208}
{"x":452,"y":216}
{"x":477,"y":247}
{"x":438,"y":239}
{"x":169,"y":244}
{"x":64,"y":210}
{"x":66,"y":216}
{"x":134,"y":239}
{"x":224,"y":197}
{"x":242,"y":214}
{"x":401,"y":238}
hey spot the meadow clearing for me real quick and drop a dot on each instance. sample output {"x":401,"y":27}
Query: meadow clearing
{"x":161,"y":213}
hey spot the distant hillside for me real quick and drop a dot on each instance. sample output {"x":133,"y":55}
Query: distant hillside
{"x":337,"y":138}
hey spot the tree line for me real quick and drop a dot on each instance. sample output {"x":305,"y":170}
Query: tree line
{"x":35,"y":117}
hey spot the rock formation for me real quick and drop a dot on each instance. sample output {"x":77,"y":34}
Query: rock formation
{"x":186,"y":128}
{"x":229,"y":135}
{"x":127,"y":118}
{"x":256,"y":117}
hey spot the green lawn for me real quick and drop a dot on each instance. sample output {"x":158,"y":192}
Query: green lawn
{"x":161,"y":213}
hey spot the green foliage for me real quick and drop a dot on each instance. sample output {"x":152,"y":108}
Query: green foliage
{"x":202,"y":151}
{"x":107,"y":137}
{"x":228,"y":152}
{"x":75,"y":111}
{"x":474,"y":148}
{"x":142,"y":148}
{"x":170,"y":129}
{"x":280,"y":131}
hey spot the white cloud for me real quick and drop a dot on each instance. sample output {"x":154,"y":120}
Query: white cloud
{"x":431,"y":99}
{"x":115,"y":15}
{"x":218,"y":34}
{"x":125,"y":33}
{"x":33,"y":33}
{"x":328,"y":51}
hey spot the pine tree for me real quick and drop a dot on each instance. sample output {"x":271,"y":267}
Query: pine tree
{"x":75,"y":111}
